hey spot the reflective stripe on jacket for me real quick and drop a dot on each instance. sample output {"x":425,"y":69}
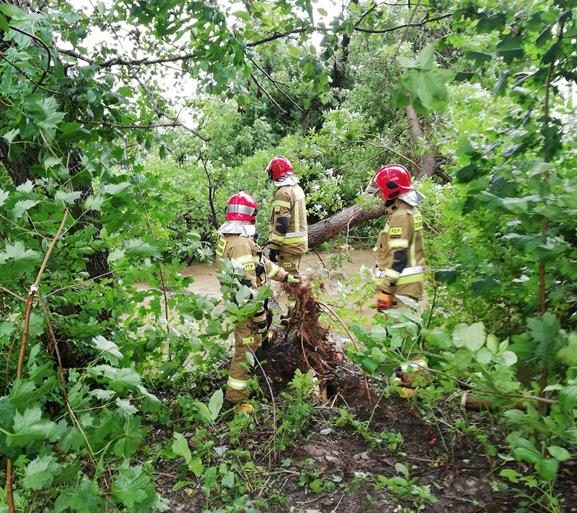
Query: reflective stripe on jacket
{"x":403,"y":232}
{"x":289,"y":202}
{"x":243,"y":251}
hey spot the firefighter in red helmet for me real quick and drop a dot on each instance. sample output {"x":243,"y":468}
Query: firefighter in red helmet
{"x":400,"y":256}
{"x":288,"y":235}
{"x":236,"y":243}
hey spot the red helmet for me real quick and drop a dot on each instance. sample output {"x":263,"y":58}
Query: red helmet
{"x":241,"y":207}
{"x":279,"y":167}
{"x":393,"y":180}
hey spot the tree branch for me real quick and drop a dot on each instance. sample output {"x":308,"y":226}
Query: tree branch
{"x":128,"y":126}
{"x":24,"y":342}
{"x":280,"y":35}
{"x":406,"y":25}
{"x":267,"y":94}
{"x":275,"y":84}
{"x":120,"y":61}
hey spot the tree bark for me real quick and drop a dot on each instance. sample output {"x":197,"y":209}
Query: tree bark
{"x":428,"y":159}
{"x":347,"y":218}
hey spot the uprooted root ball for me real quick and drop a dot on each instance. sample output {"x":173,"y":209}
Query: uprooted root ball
{"x":303,"y":344}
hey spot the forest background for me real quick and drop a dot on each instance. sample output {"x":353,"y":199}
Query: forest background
{"x":105,"y":184}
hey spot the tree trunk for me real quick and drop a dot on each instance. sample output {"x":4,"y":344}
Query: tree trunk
{"x":347,"y":218}
{"x":428,"y":159}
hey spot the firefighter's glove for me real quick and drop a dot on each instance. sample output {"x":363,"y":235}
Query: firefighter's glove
{"x":273,"y":255}
{"x":292,"y":279}
{"x":384,"y":301}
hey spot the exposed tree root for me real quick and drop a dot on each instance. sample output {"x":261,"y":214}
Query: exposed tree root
{"x":305,"y":344}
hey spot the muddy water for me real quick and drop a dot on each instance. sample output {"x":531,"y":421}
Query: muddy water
{"x":349,"y":262}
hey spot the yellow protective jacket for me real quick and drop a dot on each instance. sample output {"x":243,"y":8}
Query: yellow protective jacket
{"x":243,"y":250}
{"x":288,"y":221}
{"x":400,"y":253}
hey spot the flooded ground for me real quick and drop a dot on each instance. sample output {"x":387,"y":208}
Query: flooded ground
{"x":333,"y":264}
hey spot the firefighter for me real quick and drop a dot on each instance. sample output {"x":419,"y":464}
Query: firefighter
{"x":237,"y":243}
{"x":288,"y":236}
{"x":400,"y":267}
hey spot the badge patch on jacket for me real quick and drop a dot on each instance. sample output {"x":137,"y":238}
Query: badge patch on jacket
{"x":220,"y":247}
{"x":395,"y":233}
{"x":418,"y":221}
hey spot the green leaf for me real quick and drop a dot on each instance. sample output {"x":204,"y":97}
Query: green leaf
{"x":228,"y":480}
{"x":40,"y":472}
{"x":139,"y":248}
{"x":559,"y":453}
{"x":462,"y":358}
{"x":316,"y":485}
{"x":547,"y":469}
{"x":180,"y":447}
{"x":26,"y":187}
{"x":508,"y":358}
{"x":492,"y":22}
{"x":93,"y":203}
{"x":447,"y":275}
{"x":511,"y":475}
{"x":83,"y":498}
{"x":51,"y":161}
{"x":471,"y":336}
{"x":203,"y":411}
{"x":17,"y":252}
{"x":492,"y":343}
{"x":69,"y":128}
{"x":125,"y":406}
{"x":134,"y":489}
{"x":4,"y":26}
{"x":568,"y":354}
{"x":437,"y":337}
{"x":215,"y":404}
{"x":402,"y":469}
{"x":29,"y":427}
{"x":22,"y":393}
{"x":530,"y":455}
{"x":209,"y":480}
{"x":119,"y":380}
{"x":115,"y":188}
{"x":568,"y":398}
{"x":23,"y":206}
{"x":479,"y":57}
{"x":196,"y":467}
{"x":109,"y":350}
{"x":11,"y":135}
{"x":468,"y":173}
{"x":125,"y":91}
{"x":12,"y":11}
{"x":484,"y":356}
{"x":3,"y":197}
{"x":67,"y":197}
{"x":369,"y":364}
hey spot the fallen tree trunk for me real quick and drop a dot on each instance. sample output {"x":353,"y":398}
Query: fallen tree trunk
{"x":347,"y":218}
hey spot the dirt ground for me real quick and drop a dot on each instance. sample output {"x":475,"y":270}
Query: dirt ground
{"x":459,"y":475}
{"x":343,"y":467}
